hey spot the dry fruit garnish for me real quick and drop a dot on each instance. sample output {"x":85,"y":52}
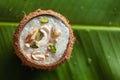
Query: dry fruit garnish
{"x":47,"y":55}
{"x":46,"y":37}
{"x":33,"y":45}
{"x":30,"y":36}
{"x":55,"y":32}
{"x":27,"y":45}
{"x":52,"y":48}
{"x":44,"y":20}
{"x":38,"y":36}
{"x":56,"y":40}
{"x":37,"y":55}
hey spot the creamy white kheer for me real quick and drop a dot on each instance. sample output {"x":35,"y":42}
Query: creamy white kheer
{"x":44,"y":39}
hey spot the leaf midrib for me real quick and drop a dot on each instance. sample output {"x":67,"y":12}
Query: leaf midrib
{"x":81,"y":27}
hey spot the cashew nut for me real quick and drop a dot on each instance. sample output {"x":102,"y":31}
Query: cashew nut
{"x":37,"y":55}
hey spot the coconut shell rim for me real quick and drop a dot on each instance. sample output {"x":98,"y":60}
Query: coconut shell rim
{"x":31,"y":63}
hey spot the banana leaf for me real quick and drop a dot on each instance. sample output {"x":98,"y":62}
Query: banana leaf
{"x":84,"y":12}
{"x":96,"y":53}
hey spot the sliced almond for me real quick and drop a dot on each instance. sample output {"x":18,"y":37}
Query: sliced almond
{"x":31,"y":36}
{"x":28,"y":38}
{"x":47,"y":55}
{"x":56,"y":40}
{"x":27,"y":45}
{"x":48,"y":48}
{"x":34,"y":33}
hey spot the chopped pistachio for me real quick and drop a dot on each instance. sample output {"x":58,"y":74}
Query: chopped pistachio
{"x":52,"y":48}
{"x":38,"y":36}
{"x":44,"y":20}
{"x":33,"y":45}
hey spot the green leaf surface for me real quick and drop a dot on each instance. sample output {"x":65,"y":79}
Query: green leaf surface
{"x":95,"y":56}
{"x":85,"y":12}
{"x":96,"y":53}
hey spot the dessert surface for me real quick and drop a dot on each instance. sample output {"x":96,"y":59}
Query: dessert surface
{"x":44,"y":39}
